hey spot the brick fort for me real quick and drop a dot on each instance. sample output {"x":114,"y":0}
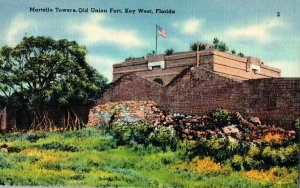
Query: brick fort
{"x":198,"y":83}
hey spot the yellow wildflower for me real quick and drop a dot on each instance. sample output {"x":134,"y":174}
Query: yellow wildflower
{"x":276,"y":138}
{"x":207,"y":165}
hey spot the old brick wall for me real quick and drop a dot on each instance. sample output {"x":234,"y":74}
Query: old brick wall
{"x":201,"y":91}
{"x":274,"y":101}
{"x":132,"y":87}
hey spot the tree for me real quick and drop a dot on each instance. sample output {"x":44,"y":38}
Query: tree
{"x":220,"y":45}
{"x":151,"y":53}
{"x":233,"y":52}
{"x":216,"y":42}
{"x":41,"y":72}
{"x":240,"y":54}
{"x":202,"y":46}
{"x":169,"y":51}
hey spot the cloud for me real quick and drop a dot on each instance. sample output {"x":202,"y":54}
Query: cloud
{"x":94,"y":31}
{"x":18,"y":27}
{"x":103,"y":64}
{"x":260,"y":32}
{"x":288,"y":69}
{"x":191,"y":26}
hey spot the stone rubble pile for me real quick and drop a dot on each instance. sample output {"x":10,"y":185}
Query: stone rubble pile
{"x":126,"y":112}
{"x":187,"y":127}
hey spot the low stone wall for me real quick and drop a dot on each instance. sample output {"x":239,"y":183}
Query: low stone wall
{"x":112,"y":114}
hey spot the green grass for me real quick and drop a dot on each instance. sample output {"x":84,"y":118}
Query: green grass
{"x":90,"y":157}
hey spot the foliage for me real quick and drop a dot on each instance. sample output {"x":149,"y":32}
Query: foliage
{"x":240,"y":54}
{"x":275,"y":138}
{"x":44,"y":162}
{"x":144,"y":134}
{"x":40,"y":72}
{"x":273,"y":175}
{"x":169,"y":51}
{"x":5,"y":161}
{"x":193,"y":47}
{"x":233,"y":52}
{"x":222,"y":117}
{"x":58,"y":146}
{"x":220,"y":45}
{"x":138,"y":132}
{"x":32,"y":137}
{"x":207,"y":165}
{"x":151,"y":53}
{"x":164,"y":137}
{"x":134,"y":58}
{"x":220,"y":149}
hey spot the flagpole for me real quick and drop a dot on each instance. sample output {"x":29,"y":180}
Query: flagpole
{"x":156,"y":39}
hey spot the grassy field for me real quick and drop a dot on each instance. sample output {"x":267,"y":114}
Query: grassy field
{"x":91,"y":157}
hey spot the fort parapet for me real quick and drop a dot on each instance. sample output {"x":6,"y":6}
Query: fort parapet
{"x":163,"y":68}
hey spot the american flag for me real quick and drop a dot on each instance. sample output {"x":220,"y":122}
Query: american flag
{"x":161,"y":31}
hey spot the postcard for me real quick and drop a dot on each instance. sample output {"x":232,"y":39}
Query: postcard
{"x":144,"y":93}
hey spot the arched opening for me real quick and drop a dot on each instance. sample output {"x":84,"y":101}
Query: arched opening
{"x":159,"y":81}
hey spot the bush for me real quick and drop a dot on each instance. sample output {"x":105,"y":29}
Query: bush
{"x":164,"y":137}
{"x":58,"y":146}
{"x":222,"y":117}
{"x":237,"y":162}
{"x":5,"y":161}
{"x":110,"y":144}
{"x":84,"y":133}
{"x":36,"y":136}
{"x":169,"y":51}
{"x":137,"y":132}
{"x":32,"y":137}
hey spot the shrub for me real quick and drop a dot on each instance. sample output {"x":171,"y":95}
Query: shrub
{"x":84,"y":133}
{"x":222,"y":117}
{"x":169,"y":51}
{"x":207,"y":165}
{"x":137,"y":132}
{"x":237,"y":162}
{"x":276,"y":175}
{"x":169,"y":158}
{"x":58,"y":146}
{"x":164,"y":137}
{"x":274,"y":138}
{"x":188,"y":149}
{"x":52,"y":166}
{"x":250,"y":163}
{"x":32,"y":137}
{"x":37,"y":136}
{"x":78,"y":169}
{"x":5,"y":161}
{"x":106,"y":146}
{"x":253,"y":151}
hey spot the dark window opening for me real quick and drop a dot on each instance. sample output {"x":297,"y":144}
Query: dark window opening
{"x":255,"y":71}
{"x":159,"y":81}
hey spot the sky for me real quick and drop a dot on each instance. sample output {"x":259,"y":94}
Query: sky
{"x":267,"y":29}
